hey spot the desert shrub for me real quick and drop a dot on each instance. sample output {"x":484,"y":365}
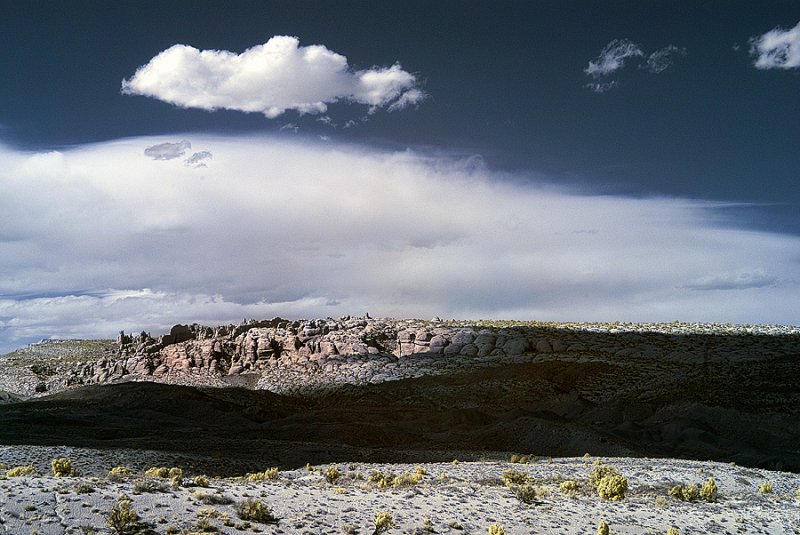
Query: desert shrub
{"x":709,"y":490}
{"x":690,"y":493}
{"x":123,"y":519}
{"x":569,"y":488}
{"x":512,"y":477}
{"x":61,"y":466}
{"x":672,"y":530}
{"x":685,"y":493}
{"x":602,"y":528}
{"x":521,"y":459}
{"x":84,"y":488}
{"x":383,"y":521}
{"x":210,"y":512}
{"x":525,"y":493}
{"x":599,"y":471}
{"x":382,"y":480}
{"x":148,"y":485}
{"x":164,"y":472}
{"x":157,"y":471}
{"x":765,"y":487}
{"x":455,"y":525}
{"x":212,"y":499}
{"x":267,"y":475}
{"x":119,"y":473}
{"x":797,"y":494}
{"x":612,"y":487}
{"x":406,"y":479}
{"x":497,"y":529}
{"x":20,"y":471}
{"x":201,"y":481}
{"x":204,"y":525}
{"x":332,"y":474}
{"x":255,"y":511}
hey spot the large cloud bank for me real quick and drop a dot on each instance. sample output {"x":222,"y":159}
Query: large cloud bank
{"x":271,"y":78}
{"x":777,"y":49}
{"x":101,"y":238}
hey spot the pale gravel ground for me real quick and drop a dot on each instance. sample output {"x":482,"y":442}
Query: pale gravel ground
{"x":471,"y":494}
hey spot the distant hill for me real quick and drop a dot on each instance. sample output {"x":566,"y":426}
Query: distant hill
{"x":551,"y":390}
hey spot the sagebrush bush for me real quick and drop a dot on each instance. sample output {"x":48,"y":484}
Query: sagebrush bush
{"x":497,"y":529}
{"x":525,"y":493}
{"x":201,"y":481}
{"x":204,"y":525}
{"x":255,"y":511}
{"x":21,"y":471}
{"x":267,"y":475}
{"x":123,"y":518}
{"x":612,"y":487}
{"x":672,"y":530}
{"x":144,"y":485}
{"x":157,"y":471}
{"x":119,"y":472}
{"x":383,"y":521}
{"x":212,"y":499}
{"x":599,"y":471}
{"x":404,"y":479}
{"x":381,"y":479}
{"x":332,"y":474}
{"x":84,"y":488}
{"x":765,"y":487}
{"x":709,"y":490}
{"x":602,"y":528}
{"x":61,"y":466}
{"x":569,"y":488}
{"x":685,"y":493}
{"x":513,"y":477}
{"x":690,"y":493}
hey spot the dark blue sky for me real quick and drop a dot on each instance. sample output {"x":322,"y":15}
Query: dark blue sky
{"x":505,"y":80}
{"x":554,"y":160}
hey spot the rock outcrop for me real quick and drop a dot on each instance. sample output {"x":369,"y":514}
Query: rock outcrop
{"x":319,"y":355}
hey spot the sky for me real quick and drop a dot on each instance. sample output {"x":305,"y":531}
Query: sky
{"x":179,"y":162}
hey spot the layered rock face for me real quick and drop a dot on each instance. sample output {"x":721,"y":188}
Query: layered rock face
{"x":319,"y":355}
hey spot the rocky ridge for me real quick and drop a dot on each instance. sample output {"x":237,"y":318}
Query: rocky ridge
{"x":322,"y":355}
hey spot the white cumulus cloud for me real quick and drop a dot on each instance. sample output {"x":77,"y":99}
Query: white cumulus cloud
{"x":97,"y":239}
{"x":777,"y":49}
{"x":270,"y":78}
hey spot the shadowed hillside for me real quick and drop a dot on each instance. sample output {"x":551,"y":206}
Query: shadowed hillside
{"x":742,"y":412}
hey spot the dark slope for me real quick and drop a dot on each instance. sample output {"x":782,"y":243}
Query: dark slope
{"x":746,"y":413}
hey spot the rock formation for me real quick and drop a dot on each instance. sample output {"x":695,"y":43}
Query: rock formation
{"x":323,"y":354}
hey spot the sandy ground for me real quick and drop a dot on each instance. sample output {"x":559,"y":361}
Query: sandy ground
{"x":466,"y":497}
